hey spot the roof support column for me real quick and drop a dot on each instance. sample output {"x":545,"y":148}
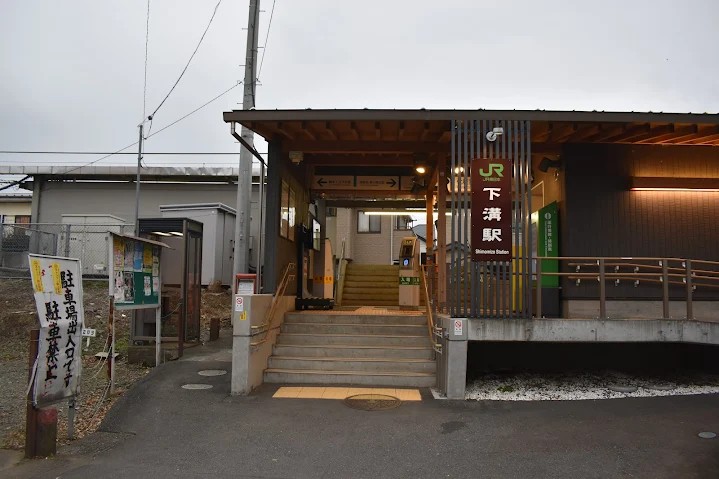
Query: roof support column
{"x":441,"y":258}
{"x":272,"y":216}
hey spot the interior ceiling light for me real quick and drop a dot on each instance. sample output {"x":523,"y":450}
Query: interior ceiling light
{"x":674,"y":184}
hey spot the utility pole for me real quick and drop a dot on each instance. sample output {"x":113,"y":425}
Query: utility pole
{"x":137,"y":183}
{"x":241,"y":263}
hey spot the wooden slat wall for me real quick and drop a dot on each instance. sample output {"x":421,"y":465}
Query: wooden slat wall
{"x":601,"y":217}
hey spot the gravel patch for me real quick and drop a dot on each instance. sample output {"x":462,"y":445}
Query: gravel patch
{"x":582,"y":386}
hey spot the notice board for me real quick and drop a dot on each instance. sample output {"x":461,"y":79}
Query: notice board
{"x":134,"y":272}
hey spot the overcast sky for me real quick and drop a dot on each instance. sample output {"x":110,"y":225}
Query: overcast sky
{"x":72,"y":72}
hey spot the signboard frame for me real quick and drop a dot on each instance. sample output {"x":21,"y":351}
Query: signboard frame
{"x":491,"y":235}
{"x":59,"y":300}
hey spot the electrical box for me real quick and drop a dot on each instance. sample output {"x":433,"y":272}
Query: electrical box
{"x":409,"y":273}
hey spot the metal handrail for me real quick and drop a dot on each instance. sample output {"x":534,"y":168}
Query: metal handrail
{"x":666,"y":276}
{"x":266,"y":325}
{"x":431,"y":328}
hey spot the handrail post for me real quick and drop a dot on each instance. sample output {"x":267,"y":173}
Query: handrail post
{"x":539,"y":288}
{"x":665,"y":287}
{"x":690,"y":289}
{"x":602,"y":291}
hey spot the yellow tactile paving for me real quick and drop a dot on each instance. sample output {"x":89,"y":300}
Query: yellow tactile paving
{"x":335,"y":393}
{"x":287,"y":392}
{"x":315,"y":392}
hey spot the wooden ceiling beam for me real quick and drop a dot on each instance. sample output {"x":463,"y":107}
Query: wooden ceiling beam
{"x":330,"y":131}
{"x":280,"y":130}
{"x":354,"y":131}
{"x":630,"y":134}
{"x":654,"y":131}
{"x":359,"y":160}
{"x":306,"y":130}
{"x":359,"y":146}
{"x":705,"y":134}
{"x":562,"y":133}
{"x":583,"y":132}
{"x":541,"y":133}
{"x":606,"y":132}
{"x":680,"y":132}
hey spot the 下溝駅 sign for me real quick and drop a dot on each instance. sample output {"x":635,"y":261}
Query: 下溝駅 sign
{"x":491,"y":209}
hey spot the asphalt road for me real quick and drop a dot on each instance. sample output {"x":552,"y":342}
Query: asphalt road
{"x":159,"y":430}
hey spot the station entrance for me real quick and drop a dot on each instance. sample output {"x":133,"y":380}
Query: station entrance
{"x":528,"y":214}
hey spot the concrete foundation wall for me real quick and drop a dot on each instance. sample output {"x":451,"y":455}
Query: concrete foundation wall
{"x":249,"y":362}
{"x":589,"y":309}
{"x":594,"y":330}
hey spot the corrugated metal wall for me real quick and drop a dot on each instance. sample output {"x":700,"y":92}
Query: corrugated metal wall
{"x":489,"y":289}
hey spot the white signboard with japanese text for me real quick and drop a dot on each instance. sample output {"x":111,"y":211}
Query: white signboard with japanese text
{"x":57,"y":283}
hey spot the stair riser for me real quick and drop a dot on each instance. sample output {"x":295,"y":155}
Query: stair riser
{"x":309,"y":328}
{"x":367,"y":380}
{"x":287,"y":338}
{"x":366,"y":302}
{"x":294,"y":318}
{"x":359,"y":366}
{"x":320,"y":352}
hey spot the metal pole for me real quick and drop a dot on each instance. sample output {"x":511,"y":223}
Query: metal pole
{"x":158,"y":313}
{"x":665,"y":288}
{"x":111,"y":351}
{"x":690,"y":290}
{"x":137,"y":183}
{"x":241,"y":257}
{"x":538,"y":269}
{"x":602,"y":291}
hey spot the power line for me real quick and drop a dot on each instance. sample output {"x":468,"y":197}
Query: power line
{"x":188,"y":62}
{"x":19,"y":152}
{"x":264,"y":48}
{"x":135,"y":143}
{"x":196,"y":109}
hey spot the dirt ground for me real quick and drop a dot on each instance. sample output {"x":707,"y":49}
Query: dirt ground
{"x":18,"y":316}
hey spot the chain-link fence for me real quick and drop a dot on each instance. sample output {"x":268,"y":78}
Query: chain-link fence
{"x":87,"y":242}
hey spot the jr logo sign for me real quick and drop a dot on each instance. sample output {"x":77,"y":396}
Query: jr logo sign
{"x":495,"y":172}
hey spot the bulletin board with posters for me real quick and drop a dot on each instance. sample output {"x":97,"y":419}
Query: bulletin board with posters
{"x":134,"y":272}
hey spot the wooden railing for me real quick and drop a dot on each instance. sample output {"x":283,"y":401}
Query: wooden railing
{"x":267,"y":323}
{"x":691,"y":274}
{"x":430,"y":302}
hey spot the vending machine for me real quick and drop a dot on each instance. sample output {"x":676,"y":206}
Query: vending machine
{"x":409,"y":273}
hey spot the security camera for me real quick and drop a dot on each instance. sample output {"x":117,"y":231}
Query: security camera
{"x":495,"y":133}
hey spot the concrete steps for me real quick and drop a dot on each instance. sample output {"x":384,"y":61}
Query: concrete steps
{"x":336,"y":348}
{"x":371,"y":285}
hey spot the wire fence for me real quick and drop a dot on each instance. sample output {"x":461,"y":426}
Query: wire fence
{"x":86,"y":242}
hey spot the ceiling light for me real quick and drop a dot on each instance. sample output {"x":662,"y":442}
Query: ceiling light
{"x":674,"y":184}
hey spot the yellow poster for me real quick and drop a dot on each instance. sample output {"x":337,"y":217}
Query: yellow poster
{"x":36,"y":276}
{"x":56,"y":283}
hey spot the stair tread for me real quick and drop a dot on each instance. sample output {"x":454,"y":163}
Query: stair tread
{"x":351,"y":335}
{"x":372,"y":325}
{"x":355,"y":346}
{"x":364,"y":360}
{"x":324,"y":372}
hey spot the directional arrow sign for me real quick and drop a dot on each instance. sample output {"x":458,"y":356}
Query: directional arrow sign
{"x":378,"y":182}
{"x":333,"y":182}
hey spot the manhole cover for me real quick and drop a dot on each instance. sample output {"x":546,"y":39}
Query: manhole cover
{"x":212,"y":372}
{"x":707,"y":435}
{"x":196,"y":386}
{"x":372,"y":402}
